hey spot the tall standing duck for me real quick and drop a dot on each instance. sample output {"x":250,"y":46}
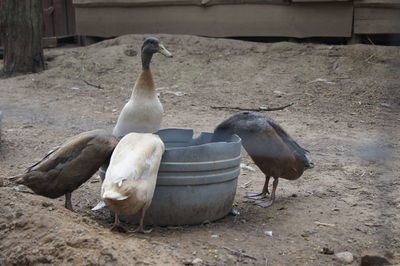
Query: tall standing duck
{"x":131,"y":176}
{"x":67,"y":167}
{"x":143,"y":112}
{"x":269,"y":146}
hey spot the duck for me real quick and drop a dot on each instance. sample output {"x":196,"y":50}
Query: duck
{"x":143,"y":112}
{"x":131,"y":176}
{"x":68,"y":166}
{"x":270,"y":147}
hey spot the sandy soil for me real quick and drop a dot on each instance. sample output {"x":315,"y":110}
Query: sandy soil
{"x":346,"y":112}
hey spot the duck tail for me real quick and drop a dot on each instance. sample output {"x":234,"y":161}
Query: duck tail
{"x":309,"y":164}
{"x":113,"y":195}
{"x":16,"y":178}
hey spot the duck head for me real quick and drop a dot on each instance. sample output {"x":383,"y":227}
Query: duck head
{"x":151,"y":46}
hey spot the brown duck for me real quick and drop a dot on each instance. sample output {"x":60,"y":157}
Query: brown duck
{"x":68,"y":166}
{"x":269,"y":146}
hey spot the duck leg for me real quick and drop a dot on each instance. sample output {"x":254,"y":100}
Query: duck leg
{"x":140,"y":228}
{"x":68,"y":203}
{"x":117,"y":227}
{"x":266,"y":204}
{"x":258,"y":196}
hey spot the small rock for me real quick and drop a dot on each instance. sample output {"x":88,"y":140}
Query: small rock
{"x":197,"y":261}
{"x":234,"y":212}
{"x":214,"y":236}
{"x":326,"y":251}
{"x":279,"y":93}
{"x":345,"y":257}
{"x":268,"y":233}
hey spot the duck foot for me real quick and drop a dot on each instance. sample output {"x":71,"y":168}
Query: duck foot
{"x":255,"y":196}
{"x":140,"y":229}
{"x":118,"y":228}
{"x":264,"y":204}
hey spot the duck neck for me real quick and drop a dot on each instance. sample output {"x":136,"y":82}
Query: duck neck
{"x":146,"y":59}
{"x":144,"y":84}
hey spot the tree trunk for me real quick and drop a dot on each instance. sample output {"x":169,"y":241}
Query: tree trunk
{"x":21,"y":30}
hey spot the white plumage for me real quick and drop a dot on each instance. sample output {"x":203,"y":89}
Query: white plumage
{"x":143,"y":112}
{"x":131,"y":177}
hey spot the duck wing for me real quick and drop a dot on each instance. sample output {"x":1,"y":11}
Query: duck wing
{"x":299,"y":152}
{"x":46,"y":157}
{"x":133,"y":167}
{"x":60,"y":156}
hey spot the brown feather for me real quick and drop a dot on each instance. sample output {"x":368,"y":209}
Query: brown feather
{"x":66,"y":168}
{"x":267,"y":143}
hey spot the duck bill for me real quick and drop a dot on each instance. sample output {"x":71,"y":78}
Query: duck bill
{"x":164,"y":51}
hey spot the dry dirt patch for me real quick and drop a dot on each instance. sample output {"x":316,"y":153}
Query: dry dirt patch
{"x":346,"y":112}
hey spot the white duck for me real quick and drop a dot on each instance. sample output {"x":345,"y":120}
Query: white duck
{"x":143,"y":112}
{"x":131,"y":176}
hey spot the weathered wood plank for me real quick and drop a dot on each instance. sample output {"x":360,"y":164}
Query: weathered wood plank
{"x":60,"y":18}
{"x":315,"y":1}
{"x":376,"y":3}
{"x":70,"y":13}
{"x":369,"y":20}
{"x":139,"y":3}
{"x":296,"y":20}
{"x":48,"y":18}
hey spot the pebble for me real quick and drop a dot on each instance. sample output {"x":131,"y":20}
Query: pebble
{"x":326,"y":251}
{"x":268,"y":233}
{"x":279,"y":93}
{"x":345,"y":257}
{"x":197,"y":261}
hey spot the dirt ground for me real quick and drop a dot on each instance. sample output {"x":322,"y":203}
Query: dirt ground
{"x":346,"y":112}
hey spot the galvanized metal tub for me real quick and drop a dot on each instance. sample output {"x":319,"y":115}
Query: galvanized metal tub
{"x":197,"y":179}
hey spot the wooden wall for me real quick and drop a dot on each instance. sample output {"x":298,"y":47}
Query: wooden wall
{"x":226,"y":20}
{"x":59,"y":18}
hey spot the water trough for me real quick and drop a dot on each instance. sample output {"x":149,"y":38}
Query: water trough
{"x":197,"y":179}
